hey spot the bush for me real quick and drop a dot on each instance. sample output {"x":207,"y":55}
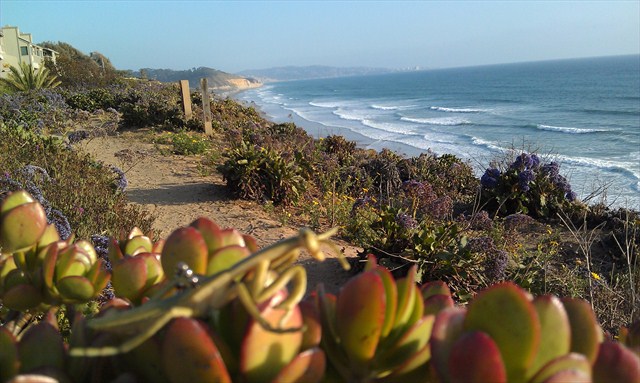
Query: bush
{"x":527,"y":186}
{"x":85,"y":193}
{"x":41,"y":111}
{"x":259,"y":173}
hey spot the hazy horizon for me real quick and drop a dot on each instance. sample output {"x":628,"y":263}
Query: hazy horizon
{"x":250,"y":35}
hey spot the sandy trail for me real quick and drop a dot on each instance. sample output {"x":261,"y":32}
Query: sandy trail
{"x":176,"y":191}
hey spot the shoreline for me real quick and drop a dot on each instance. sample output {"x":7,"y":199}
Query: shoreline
{"x":584,"y":180}
{"x":318,"y":130}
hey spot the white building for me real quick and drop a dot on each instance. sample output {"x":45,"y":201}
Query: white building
{"x":17,"y":47}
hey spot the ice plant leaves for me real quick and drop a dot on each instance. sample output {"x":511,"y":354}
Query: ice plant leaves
{"x":586,"y":334}
{"x":506,"y":314}
{"x":186,"y":245}
{"x":190,"y":355}
{"x":22,"y":222}
{"x":361,"y":320}
{"x":555,"y":334}
{"x":475,"y":357}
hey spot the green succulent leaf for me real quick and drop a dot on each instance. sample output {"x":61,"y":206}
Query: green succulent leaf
{"x":411,"y":342}
{"x":129,"y":277}
{"x":555,"y":331}
{"x":75,"y":289}
{"x":42,"y":336}
{"x":360,"y":315}
{"x":22,"y":297}
{"x":568,"y":362}
{"x":586,"y":334}
{"x":223,"y":258}
{"x":447,"y":328}
{"x":9,"y":362}
{"x":21,"y":227}
{"x":264,"y":353}
{"x":516,"y":330}
{"x":306,"y":367}
{"x":189,"y":354}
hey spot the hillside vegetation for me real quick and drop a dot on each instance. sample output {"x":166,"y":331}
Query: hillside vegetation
{"x":434,"y":237}
{"x":216,"y":78}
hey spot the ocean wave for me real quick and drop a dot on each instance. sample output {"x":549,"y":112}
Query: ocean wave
{"x":392,"y":107}
{"x":446,"y":121}
{"x":383,"y":107}
{"x":385,"y":126}
{"x":328,"y":104}
{"x":628,"y":168}
{"x":488,"y":144}
{"x":457,"y":110}
{"x":568,"y":129}
{"x":348,"y":116}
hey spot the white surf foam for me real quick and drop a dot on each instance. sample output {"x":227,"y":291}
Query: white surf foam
{"x":568,"y":129}
{"x":446,"y":121}
{"x":458,"y":110}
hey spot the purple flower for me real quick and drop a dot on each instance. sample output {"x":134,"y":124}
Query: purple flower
{"x":552,"y":169}
{"x":481,"y":245}
{"x":77,"y":136}
{"x":518,"y":221}
{"x":101,"y":245}
{"x":61,"y":223}
{"x":496,"y":265}
{"x":524,"y":178}
{"x":535,"y":161}
{"x":406,"y":221}
{"x":490,"y":178}
{"x":121,"y":180}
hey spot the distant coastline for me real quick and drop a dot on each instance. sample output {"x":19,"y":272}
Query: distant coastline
{"x":480,"y":113}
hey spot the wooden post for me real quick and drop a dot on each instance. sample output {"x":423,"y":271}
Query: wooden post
{"x":186,"y":99}
{"x":206,"y":107}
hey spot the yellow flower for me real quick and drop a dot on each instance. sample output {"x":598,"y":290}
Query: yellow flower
{"x":595,"y":276}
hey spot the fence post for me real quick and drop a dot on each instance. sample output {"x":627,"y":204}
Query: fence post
{"x":206,"y":107}
{"x":186,"y":99}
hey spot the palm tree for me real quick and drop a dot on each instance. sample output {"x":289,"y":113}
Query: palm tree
{"x":27,"y":78}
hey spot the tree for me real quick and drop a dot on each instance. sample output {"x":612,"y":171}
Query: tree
{"x":78,"y":70}
{"x":27,"y":78}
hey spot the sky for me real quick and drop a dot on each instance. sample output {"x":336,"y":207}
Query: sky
{"x":238,"y":35}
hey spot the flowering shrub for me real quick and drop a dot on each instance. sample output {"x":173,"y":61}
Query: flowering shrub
{"x":526,"y":186}
{"x":74,"y":190}
{"x":42,"y":111}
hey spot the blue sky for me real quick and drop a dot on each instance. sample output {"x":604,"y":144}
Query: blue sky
{"x":237,"y":35}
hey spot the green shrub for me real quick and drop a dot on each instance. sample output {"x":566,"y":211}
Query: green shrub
{"x":259,"y":173}
{"x":185,"y":143}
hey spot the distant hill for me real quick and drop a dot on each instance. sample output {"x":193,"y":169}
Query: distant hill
{"x":217,"y":79}
{"x":310,"y":72}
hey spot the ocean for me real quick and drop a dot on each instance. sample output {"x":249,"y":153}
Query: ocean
{"x":583,"y":113}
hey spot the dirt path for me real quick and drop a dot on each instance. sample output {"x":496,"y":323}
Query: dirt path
{"x":174,"y":189}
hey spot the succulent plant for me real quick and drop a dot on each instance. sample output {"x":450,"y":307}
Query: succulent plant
{"x":73,"y":273}
{"x":136,"y":268}
{"x":545,"y":339}
{"x":37,"y":270}
{"x":205,"y":248}
{"x":376,"y":329}
{"x":22,"y":222}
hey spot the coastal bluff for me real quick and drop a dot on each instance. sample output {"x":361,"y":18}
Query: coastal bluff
{"x":217,"y":79}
